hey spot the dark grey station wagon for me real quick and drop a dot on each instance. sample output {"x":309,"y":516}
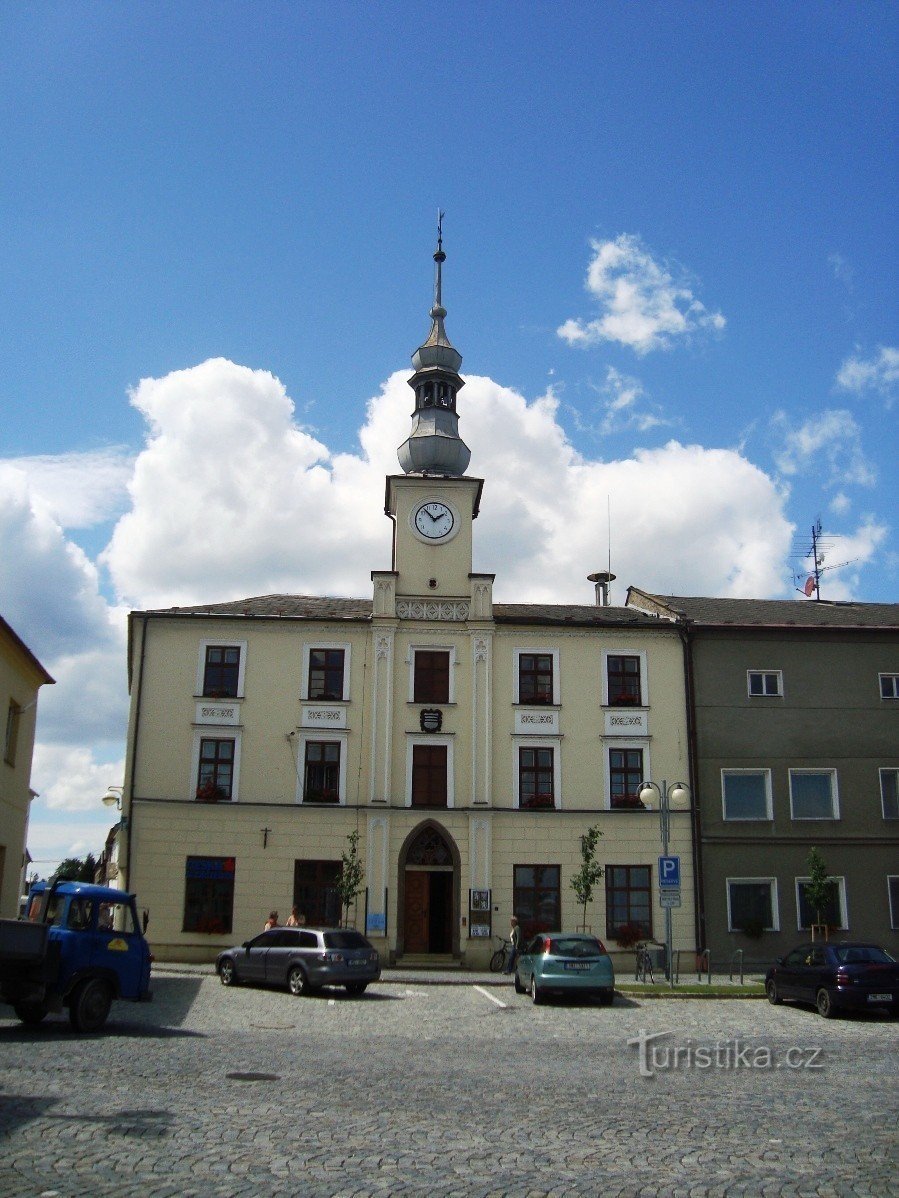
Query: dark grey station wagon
{"x":303,"y":960}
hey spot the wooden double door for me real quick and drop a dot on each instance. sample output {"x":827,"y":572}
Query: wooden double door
{"x":428,"y":910}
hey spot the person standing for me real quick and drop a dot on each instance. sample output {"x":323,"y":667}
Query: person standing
{"x":271,"y":922}
{"x":295,"y":919}
{"x":515,"y":942}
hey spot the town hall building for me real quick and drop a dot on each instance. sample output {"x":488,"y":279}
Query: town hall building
{"x":470,"y":744}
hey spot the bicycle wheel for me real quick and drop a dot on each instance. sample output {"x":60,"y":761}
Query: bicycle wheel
{"x":498,"y":961}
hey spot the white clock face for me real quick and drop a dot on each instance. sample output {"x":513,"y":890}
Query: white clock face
{"x":434,"y":520}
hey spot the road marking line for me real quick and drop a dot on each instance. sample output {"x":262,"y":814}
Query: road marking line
{"x":487,"y":994}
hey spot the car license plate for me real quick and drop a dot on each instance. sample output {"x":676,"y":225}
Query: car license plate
{"x":577,"y":965}
{"x":358,"y":961}
{"x":880,"y":998}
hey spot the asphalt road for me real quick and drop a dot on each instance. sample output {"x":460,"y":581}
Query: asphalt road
{"x":438,"y":1090}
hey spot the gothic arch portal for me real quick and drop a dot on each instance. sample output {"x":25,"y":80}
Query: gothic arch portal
{"x":428,"y":907}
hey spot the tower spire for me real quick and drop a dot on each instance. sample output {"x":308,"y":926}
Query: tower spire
{"x":434,"y":446}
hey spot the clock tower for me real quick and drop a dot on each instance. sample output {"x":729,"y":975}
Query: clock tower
{"x":433,"y":503}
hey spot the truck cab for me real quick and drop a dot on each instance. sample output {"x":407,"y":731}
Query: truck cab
{"x":79,"y":946}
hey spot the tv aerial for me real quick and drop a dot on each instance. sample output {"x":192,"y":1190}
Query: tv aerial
{"x":821,"y":545}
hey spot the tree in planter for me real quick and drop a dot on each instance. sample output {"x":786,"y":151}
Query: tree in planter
{"x":352,"y":874}
{"x":818,"y":889}
{"x":590,"y":873}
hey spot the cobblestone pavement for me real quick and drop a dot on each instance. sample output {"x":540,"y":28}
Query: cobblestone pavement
{"x":430,"y":1089}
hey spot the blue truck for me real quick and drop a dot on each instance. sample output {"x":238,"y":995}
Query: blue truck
{"x":78,"y":946}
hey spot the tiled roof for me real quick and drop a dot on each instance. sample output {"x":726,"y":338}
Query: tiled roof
{"x":769,"y":613}
{"x":312,"y":607}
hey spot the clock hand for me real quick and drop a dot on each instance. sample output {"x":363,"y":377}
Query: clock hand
{"x":433,"y":517}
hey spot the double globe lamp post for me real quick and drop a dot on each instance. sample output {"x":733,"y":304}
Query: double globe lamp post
{"x":676,"y":795}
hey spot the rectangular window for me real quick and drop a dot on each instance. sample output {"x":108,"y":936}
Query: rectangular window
{"x":889,"y":686}
{"x":752,"y":905}
{"x":767,"y":683}
{"x":813,"y":794}
{"x":623,"y":674}
{"x":13,"y":717}
{"x":536,"y":783}
{"x":216,"y":776}
{"x":429,"y":764}
{"x":209,"y":895}
{"x":535,"y":678}
{"x":322,"y":772}
{"x":625,"y":776}
{"x":431,"y":677}
{"x":833,"y":912}
{"x":221,"y":672}
{"x":889,"y":793}
{"x":315,"y":892}
{"x":893,"y":892}
{"x":746,"y":794}
{"x":536,"y":898}
{"x":628,"y":899}
{"x":326,"y":673}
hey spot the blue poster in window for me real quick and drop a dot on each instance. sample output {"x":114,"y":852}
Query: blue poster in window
{"x":376,"y":923}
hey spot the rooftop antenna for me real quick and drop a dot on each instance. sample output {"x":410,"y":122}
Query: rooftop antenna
{"x":603,"y":579}
{"x":821,"y":544}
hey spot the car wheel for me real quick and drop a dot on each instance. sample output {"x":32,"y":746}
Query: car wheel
{"x":356,"y":987}
{"x":606,"y":997}
{"x":519,"y":988}
{"x":30,"y":1012}
{"x":90,"y":1005}
{"x":296,"y":982}
{"x":536,"y":992}
{"x":825,"y":1005}
{"x":771,"y":990}
{"x":227,"y":973}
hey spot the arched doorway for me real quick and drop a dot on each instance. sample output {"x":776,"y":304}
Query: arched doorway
{"x":428,"y":872}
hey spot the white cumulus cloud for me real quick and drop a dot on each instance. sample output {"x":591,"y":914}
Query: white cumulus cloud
{"x":879,"y":373}
{"x":641,"y":304}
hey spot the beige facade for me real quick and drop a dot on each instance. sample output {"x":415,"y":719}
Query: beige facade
{"x":480,"y":834}
{"x":21,"y":677}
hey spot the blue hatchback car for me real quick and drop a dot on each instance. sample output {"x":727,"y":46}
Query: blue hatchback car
{"x":560,"y":963}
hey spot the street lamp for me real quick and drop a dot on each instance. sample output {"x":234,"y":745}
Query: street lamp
{"x":675,"y":794}
{"x":113,"y":798}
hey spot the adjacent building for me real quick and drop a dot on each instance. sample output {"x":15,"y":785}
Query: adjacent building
{"x":21,"y":677}
{"x":469,"y":744}
{"x":796,"y":745}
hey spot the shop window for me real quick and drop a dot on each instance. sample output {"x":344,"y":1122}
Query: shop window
{"x":209,"y":894}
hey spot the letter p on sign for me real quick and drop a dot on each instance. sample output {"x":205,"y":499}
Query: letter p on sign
{"x":669,"y":871}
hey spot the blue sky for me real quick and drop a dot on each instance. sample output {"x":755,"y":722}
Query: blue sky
{"x":671,"y":273}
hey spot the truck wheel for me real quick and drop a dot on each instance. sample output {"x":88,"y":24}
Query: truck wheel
{"x":90,"y":1005}
{"x":30,"y":1012}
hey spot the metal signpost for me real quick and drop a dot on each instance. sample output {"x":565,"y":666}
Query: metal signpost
{"x":669,"y":866}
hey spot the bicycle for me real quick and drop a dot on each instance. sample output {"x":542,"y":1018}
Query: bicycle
{"x":643,"y":971}
{"x":501,"y":956}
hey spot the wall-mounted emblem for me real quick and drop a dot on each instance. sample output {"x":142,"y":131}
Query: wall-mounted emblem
{"x":431,"y":719}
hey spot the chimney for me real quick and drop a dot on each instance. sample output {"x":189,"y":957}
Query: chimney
{"x":602,"y":581}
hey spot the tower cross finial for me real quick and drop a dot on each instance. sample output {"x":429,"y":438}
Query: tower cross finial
{"x":439,"y":258}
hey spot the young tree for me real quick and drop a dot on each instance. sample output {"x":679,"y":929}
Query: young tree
{"x":351,"y":876}
{"x":819,"y":887}
{"x":590,"y":873}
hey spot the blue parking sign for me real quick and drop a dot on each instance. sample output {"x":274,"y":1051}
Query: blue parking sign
{"x":669,"y":872}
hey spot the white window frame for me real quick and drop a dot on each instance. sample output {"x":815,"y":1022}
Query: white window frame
{"x":895,"y":695}
{"x":775,"y":906}
{"x":894,"y":907}
{"x":769,"y":803}
{"x":411,"y":742}
{"x":537,"y":742}
{"x":629,"y":651}
{"x":308,"y":646}
{"x":883,"y":806}
{"x":608,"y":745}
{"x":320,"y":736}
{"x":224,"y":643}
{"x":841,"y":898}
{"x":215,"y":732}
{"x":517,"y":654}
{"x":834,"y":794}
{"x":424,"y":648}
{"x":777,"y":674}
